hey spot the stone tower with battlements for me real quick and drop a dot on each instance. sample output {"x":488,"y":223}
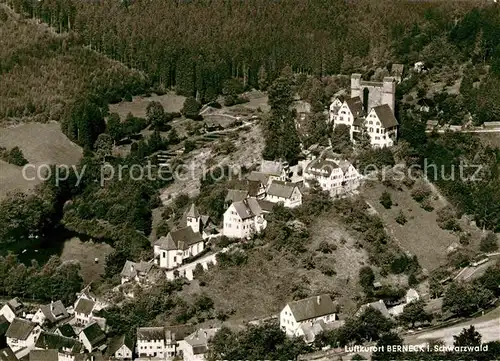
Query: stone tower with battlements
{"x":373,"y":93}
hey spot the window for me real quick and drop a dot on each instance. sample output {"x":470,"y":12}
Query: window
{"x":175,"y":259}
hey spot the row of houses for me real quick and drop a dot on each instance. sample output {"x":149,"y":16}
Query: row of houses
{"x":307,"y":318}
{"x":54,"y":332}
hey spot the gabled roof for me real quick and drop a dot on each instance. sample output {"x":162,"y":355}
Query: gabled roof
{"x":355,"y":105}
{"x":131,"y":269}
{"x":67,"y":330}
{"x":93,"y":356}
{"x":193,"y":211}
{"x":235,"y":195}
{"x":247,"y":208}
{"x":266,"y":206}
{"x":180,"y":239}
{"x":281,"y":189}
{"x":53,"y":341}
{"x":94,"y":334}
{"x":84,"y":306}
{"x":200,"y":338}
{"x":54,"y":311}
{"x":116,"y":342}
{"x":20,"y":329}
{"x":15,"y":304}
{"x":312,"y":307}
{"x":252,"y":187}
{"x":258,"y":176}
{"x":321,"y":167}
{"x":378,"y":305}
{"x":150,"y":333}
{"x":271,"y":167}
{"x":6,"y":354}
{"x":385,"y":115}
{"x":43,"y":355}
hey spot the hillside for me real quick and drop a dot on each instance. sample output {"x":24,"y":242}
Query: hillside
{"x":42,"y":72}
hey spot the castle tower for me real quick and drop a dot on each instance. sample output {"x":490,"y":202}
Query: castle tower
{"x":193,"y":219}
{"x":356,"y":85}
{"x":389,"y":92}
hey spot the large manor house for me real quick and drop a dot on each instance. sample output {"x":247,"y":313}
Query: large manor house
{"x":369,"y":109}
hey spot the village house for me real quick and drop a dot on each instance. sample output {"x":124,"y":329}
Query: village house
{"x":195,"y":346}
{"x":350,"y":113}
{"x":284,"y":192}
{"x":65,"y":347}
{"x":309,"y":330}
{"x":153,"y":342}
{"x":269,"y":171}
{"x":93,"y":337}
{"x":378,"y":305}
{"x":65,"y":330}
{"x":382,"y":126}
{"x":244,"y":218}
{"x":22,"y":335}
{"x":135,"y":271}
{"x":12,"y":309}
{"x":51,"y":313}
{"x":83,"y":311}
{"x":307,"y":311}
{"x":240,"y":189}
{"x":333,"y":174}
{"x":410,"y":296}
{"x":120,"y":348}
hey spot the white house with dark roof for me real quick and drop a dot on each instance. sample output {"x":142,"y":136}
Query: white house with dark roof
{"x":382,"y":126}
{"x":51,"y":313}
{"x":120,"y":348}
{"x":159,"y":342}
{"x":66,"y":347}
{"x":195,"y":346}
{"x":284,"y":192}
{"x":244,"y":218}
{"x":135,"y":271}
{"x":93,"y":337}
{"x":307,"y":311}
{"x":12,"y":309}
{"x":83,"y":311}
{"x":22,"y":335}
{"x":335,"y":176}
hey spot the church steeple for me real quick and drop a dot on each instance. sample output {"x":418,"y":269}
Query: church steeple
{"x":193,"y":218}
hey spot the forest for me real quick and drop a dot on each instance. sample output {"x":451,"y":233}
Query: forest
{"x":196,"y":45}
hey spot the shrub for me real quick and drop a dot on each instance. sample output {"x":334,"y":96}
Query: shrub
{"x":385,"y":200}
{"x":446,"y":219}
{"x":326,"y":247}
{"x":191,"y":108}
{"x":427,"y":205}
{"x":189,"y":146}
{"x":326,"y":266}
{"x":401,"y":218}
{"x":420,"y":192}
{"x":489,"y":243}
{"x":16,"y":157}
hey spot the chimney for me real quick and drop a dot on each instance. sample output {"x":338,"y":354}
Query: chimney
{"x":205,"y":333}
{"x":52,"y":306}
{"x":132,"y":268}
{"x":318,"y":299}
